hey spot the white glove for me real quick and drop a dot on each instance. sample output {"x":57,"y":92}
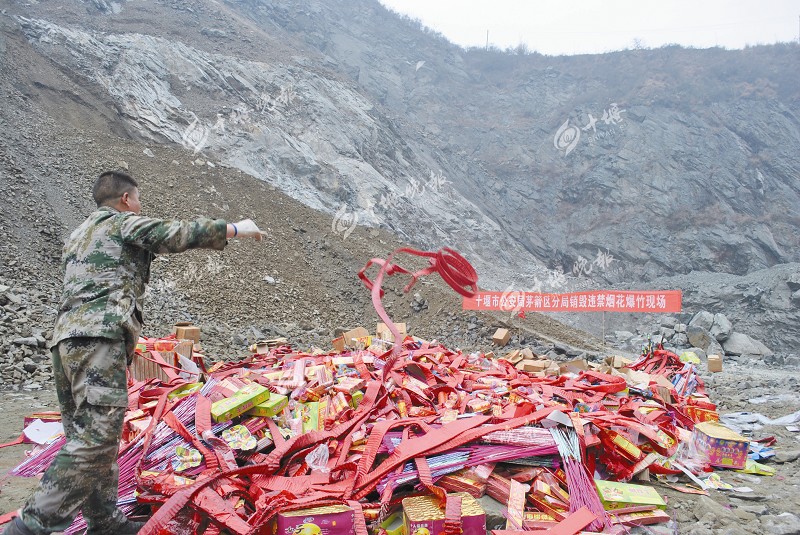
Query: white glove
{"x":247,"y":229}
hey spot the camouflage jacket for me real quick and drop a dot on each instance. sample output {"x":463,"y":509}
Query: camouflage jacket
{"x":107,"y":265}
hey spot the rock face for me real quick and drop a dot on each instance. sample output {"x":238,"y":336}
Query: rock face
{"x":741,"y":344}
{"x":315,"y":137}
{"x":616,"y":169}
{"x":702,"y":320}
{"x":721,"y":328}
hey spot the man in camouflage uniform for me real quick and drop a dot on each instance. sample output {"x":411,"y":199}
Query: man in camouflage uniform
{"x":107,"y":265}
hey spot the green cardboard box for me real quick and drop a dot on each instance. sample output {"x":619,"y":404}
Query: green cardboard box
{"x":239,"y":403}
{"x":616,"y":495}
{"x":272,"y":407}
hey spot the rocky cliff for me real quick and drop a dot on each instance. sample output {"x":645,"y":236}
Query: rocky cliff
{"x":619,"y":169}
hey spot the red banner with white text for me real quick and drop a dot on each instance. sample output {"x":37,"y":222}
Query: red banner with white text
{"x":596,"y":301}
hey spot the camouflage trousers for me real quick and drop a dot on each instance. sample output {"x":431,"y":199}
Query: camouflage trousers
{"x":91,"y":385}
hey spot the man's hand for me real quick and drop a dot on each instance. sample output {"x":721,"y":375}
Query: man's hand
{"x":246,"y":229}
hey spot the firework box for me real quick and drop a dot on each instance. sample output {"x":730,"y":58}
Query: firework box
{"x":382,"y":331}
{"x":184,"y":330}
{"x":513,"y":357}
{"x":327,"y":520}
{"x":714,"y":363}
{"x":349,"y":384}
{"x":355,"y":336}
{"x":394,"y":524}
{"x":185,"y":390}
{"x":643,"y":518}
{"x":242,"y":401}
{"x":575,"y":366}
{"x":313,"y":414}
{"x":422,"y":516}
{"x":272,"y":407}
{"x":616,"y":361}
{"x":537,"y":520}
{"x":500,"y":338}
{"x":615,"y":495}
{"x":534,"y":365}
{"x":722,"y":447}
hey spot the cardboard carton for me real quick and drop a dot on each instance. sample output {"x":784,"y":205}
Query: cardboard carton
{"x":501,"y":337}
{"x":184,"y":330}
{"x":617,"y":362}
{"x":721,"y":446}
{"x":573,"y":366}
{"x":615,"y":495}
{"x":326,"y":520}
{"x":715,"y":363}
{"x":382,"y":331}
{"x":513,"y":357}
{"x":241,"y":402}
{"x":534,"y":366}
{"x":272,"y":407}
{"x":422,"y":514}
{"x":313,"y":414}
{"x":338,"y":344}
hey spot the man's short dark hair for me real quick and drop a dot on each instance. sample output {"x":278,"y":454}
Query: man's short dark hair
{"x":111,"y":185}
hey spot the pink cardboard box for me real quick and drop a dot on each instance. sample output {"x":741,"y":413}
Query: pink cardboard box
{"x":327,"y":520}
{"x":423,"y":516}
{"x":721,"y":446}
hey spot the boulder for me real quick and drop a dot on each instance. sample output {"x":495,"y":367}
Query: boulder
{"x":741,"y":344}
{"x":706,"y":508}
{"x":782,"y":524}
{"x":702,"y":319}
{"x":699,"y":337}
{"x":623,"y":335}
{"x":715,"y":348}
{"x":721,"y":328}
{"x":669,"y":322}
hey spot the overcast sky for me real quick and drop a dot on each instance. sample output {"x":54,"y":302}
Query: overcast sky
{"x":581,"y":26}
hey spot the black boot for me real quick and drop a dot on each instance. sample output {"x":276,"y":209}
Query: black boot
{"x":127,"y":528}
{"x":17,"y":527}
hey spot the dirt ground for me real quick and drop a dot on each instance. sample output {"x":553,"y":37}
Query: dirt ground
{"x":16,"y":405}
